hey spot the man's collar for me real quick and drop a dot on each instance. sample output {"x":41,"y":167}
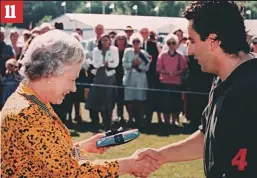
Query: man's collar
{"x":242,"y":69}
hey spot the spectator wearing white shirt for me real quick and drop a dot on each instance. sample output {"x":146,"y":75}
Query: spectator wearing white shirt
{"x":105,"y":59}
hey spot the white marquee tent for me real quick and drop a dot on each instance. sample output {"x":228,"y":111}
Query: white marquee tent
{"x":117,"y":22}
{"x":87,"y":22}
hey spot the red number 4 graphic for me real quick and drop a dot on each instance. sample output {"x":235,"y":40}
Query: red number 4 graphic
{"x":240,"y":159}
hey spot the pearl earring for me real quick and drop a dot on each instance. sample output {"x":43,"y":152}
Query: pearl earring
{"x":48,"y":82}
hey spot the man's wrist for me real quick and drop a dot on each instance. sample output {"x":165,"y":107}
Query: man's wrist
{"x":164,"y":158}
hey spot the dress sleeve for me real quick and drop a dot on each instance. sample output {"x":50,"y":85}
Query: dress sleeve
{"x":50,"y":147}
{"x":126,"y":62}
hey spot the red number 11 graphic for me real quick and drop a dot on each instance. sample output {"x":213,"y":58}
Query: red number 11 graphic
{"x":11,"y":11}
{"x":240,"y":159}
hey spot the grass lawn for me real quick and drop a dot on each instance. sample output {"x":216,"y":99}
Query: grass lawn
{"x":193,"y":169}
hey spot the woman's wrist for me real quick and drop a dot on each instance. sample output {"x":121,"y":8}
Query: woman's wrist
{"x":125,"y":165}
{"x":79,"y":145}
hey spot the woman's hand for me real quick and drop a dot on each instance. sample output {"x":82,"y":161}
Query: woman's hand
{"x":139,"y":164}
{"x":86,"y":92}
{"x":172,"y":74}
{"x":136,"y":62}
{"x":150,"y":57}
{"x":89,"y":145}
{"x":164,"y":72}
{"x":106,"y":63}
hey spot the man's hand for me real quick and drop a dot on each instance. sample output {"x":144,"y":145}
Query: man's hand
{"x":150,"y":158}
{"x":89,"y":145}
{"x":141,"y":165}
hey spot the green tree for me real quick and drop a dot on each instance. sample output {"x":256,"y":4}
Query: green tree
{"x":47,"y":18}
{"x":252,"y":6}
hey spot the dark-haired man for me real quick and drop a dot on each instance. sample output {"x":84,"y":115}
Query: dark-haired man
{"x":227,"y":137}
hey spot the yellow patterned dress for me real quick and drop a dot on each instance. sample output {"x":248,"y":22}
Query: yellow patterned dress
{"x":35,"y":143}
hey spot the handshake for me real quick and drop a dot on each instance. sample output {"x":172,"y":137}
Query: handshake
{"x":144,"y":162}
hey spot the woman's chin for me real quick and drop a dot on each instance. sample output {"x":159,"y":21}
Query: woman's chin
{"x":59,"y":101}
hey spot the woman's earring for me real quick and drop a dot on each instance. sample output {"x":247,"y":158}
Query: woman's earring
{"x":48,"y":82}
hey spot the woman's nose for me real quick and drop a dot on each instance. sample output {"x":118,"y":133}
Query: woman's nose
{"x":74,"y":88}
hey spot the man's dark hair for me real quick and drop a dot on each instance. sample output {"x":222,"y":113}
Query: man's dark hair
{"x":223,"y":18}
{"x":58,"y":25}
{"x":80,"y":30}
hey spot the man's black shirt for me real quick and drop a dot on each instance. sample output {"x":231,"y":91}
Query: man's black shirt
{"x":229,"y":123}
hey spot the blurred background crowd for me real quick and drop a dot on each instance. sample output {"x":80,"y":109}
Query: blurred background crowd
{"x":142,"y":74}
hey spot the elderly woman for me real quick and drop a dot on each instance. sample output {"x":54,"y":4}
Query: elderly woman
{"x":34,"y":141}
{"x":170,"y":66}
{"x":102,"y":99}
{"x":136,"y":64}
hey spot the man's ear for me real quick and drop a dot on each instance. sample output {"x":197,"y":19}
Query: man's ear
{"x":214,"y":43}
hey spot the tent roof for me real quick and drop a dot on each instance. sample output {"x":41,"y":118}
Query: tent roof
{"x":251,"y":26}
{"x":119,"y":22}
{"x":111,"y":21}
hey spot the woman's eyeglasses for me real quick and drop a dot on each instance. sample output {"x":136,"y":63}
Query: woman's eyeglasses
{"x":171,"y":43}
{"x":136,"y":41}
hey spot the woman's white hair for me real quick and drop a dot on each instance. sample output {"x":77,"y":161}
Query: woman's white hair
{"x":48,"y":53}
{"x":136,"y":36}
{"x":171,"y":36}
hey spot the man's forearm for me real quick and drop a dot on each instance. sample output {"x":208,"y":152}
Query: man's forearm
{"x":189,"y":149}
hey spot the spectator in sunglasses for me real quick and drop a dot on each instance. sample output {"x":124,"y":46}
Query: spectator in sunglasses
{"x":135,"y":63}
{"x":182,"y":47}
{"x":129,"y":31}
{"x":170,"y":66}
